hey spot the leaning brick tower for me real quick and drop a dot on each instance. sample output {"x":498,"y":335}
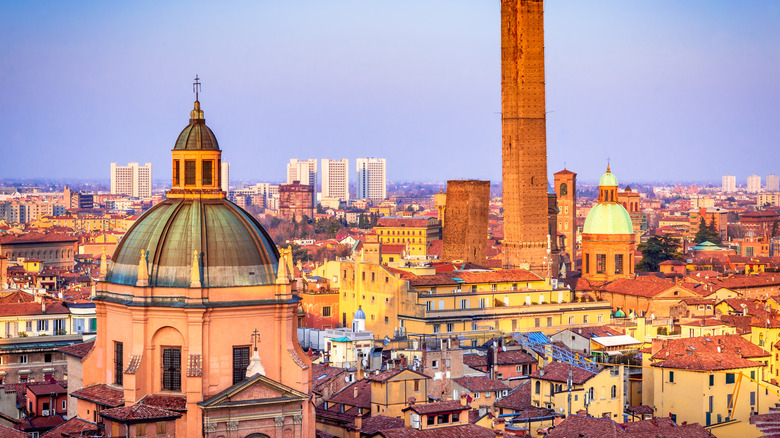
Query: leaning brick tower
{"x":524,"y":135}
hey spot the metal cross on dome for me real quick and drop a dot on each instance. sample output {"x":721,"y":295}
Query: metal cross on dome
{"x":196,"y":86}
{"x":255,"y":338}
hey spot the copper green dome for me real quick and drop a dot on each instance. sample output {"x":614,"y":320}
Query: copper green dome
{"x":197,"y":136}
{"x":233,"y":248}
{"x":608,"y":218}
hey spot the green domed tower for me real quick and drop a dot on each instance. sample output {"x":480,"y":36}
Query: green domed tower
{"x":608,"y":236}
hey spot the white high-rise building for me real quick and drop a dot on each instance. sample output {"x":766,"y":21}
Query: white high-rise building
{"x":754,"y":184}
{"x":371,"y":178}
{"x":225,"y":177}
{"x":304,"y":171}
{"x":335,"y":179}
{"x":132,"y":180}
{"x":729,"y":183}
{"x":773,"y":183}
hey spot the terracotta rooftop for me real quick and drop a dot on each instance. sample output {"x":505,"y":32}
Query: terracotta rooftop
{"x":321,"y":375}
{"x":40,"y":423}
{"x":7,"y":432}
{"x":518,"y":399}
{"x":559,"y":372}
{"x":176,"y":403}
{"x":138,"y":413}
{"x":350,"y":397}
{"x":481,"y":384}
{"x":101,"y":394}
{"x":586,"y":427}
{"x":32,"y":308}
{"x":71,"y":428}
{"x":511,"y":357}
{"x":376,"y":423}
{"x":437,"y":407}
{"x":46,"y":389}
{"x":35,"y":237}
{"x":468,"y":430}
{"x":78,"y":350}
{"x":709,"y":353}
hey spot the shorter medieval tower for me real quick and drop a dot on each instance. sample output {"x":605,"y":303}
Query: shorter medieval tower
{"x":465,"y":230}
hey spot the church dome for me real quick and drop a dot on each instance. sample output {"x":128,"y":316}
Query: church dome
{"x":608,"y":218}
{"x":360,"y":314}
{"x":195,"y":238}
{"x":233,"y":248}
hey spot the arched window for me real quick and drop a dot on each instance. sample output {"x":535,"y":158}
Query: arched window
{"x":614,"y":391}
{"x":538,"y":388}
{"x":564,"y":189}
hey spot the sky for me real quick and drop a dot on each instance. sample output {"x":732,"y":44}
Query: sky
{"x":667,"y":90}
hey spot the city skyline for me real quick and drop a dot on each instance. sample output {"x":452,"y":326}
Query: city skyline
{"x":623,"y":81}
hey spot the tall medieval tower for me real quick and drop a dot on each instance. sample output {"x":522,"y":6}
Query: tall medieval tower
{"x":524,"y":135}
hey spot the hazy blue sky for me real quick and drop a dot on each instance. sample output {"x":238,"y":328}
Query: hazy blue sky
{"x":670,"y":90}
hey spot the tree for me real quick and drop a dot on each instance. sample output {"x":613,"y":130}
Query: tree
{"x":657,"y":250}
{"x":363,"y":221}
{"x":707,"y":233}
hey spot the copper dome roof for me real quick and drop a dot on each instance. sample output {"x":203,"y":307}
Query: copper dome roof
{"x":233,"y":248}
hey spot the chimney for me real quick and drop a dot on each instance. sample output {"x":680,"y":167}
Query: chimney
{"x":43,"y":304}
{"x":359,"y":421}
{"x":411,"y":401}
{"x":355,"y":392}
{"x":464,"y":400}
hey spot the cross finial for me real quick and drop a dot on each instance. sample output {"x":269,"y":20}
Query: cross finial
{"x":255,"y":338}
{"x":608,"y":161}
{"x":196,"y":86}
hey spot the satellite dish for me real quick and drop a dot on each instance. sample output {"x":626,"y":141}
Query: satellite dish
{"x":346,"y":365}
{"x":346,"y":378}
{"x":365,"y":363}
{"x":387,"y":340}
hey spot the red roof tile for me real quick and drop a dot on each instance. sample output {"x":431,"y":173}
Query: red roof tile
{"x":78,"y":350}
{"x":46,"y":389}
{"x":481,"y":384}
{"x":709,"y":353}
{"x":377,"y":423}
{"x":519,"y":398}
{"x":468,"y":430}
{"x":101,"y":394}
{"x":73,"y":427}
{"x":350,"y":397}
{"x":586,"y":427}
{"x":138,"y":413}
{"x":437,"y":407}
{"x":559,"y":372}
{"x":176,"y":403}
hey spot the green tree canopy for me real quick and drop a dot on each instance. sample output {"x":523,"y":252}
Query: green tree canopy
{"x":657,"y":250}
{"x":707,"y":233}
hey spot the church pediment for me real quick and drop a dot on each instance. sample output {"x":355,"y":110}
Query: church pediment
{"x":257,"y":389}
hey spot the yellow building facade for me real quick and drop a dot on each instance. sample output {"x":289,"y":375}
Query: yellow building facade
{"x":467,"y":303}
{"x":415,"y":232}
